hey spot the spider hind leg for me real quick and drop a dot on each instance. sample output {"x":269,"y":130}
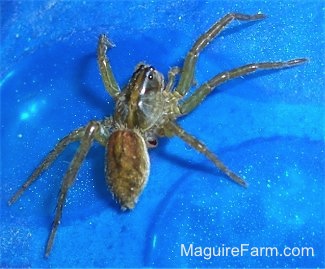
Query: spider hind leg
{"x":199,"y":146}
{"x":49,"y":159}
{"x":91,"y":132}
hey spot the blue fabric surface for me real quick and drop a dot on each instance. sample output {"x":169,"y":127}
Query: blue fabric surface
{"x":267,"y":127}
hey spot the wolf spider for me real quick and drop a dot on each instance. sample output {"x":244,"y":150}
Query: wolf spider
{"x":145,"y":110}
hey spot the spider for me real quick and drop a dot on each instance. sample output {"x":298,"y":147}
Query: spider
{"x":145,"y":110}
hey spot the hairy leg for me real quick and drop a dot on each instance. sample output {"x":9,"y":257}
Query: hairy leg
{"x":106,"y":72}
{"x":72,"y":137}
{"x":197,"y":97}
{"x":186,"y":78}
{"x":199,"y":146}
{"x":90,"y":132}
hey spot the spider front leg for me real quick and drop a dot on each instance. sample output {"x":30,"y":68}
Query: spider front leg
{"x":197,"y":97}
{"x":105,"y":68}
{"x":186,"y":78}
{"x":199,"y":146}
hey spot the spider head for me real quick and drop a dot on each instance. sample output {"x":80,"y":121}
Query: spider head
{"x":147,"y":79}
{"x":141,"y":102}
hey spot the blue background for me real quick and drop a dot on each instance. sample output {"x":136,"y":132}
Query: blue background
{"x":268,"y":127}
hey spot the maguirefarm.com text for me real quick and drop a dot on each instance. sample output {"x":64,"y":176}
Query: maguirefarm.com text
{"x":244,"y":250}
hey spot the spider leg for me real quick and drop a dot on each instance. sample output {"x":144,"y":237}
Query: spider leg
{"x":91,"y":131}
{"x":196,"y":98}
{"x":199,"y":146}
{"x":172,"y":73}
{"x":105,"y":68}
{"x":186,"y":78}
{"x":72,"y":137}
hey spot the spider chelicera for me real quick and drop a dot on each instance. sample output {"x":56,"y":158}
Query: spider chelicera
{"x":145,"y":110}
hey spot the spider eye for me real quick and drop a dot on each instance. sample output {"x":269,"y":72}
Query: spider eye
{"x":150,"y":73}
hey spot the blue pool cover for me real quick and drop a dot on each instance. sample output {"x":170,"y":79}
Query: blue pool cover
{"x":268,"y":128}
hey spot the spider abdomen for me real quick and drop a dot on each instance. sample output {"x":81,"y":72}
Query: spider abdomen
{"x":127,"y":166}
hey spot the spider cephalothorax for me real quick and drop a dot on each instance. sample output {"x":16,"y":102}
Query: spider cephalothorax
{"x":145,"y":110}
{"x":141,"y":104}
